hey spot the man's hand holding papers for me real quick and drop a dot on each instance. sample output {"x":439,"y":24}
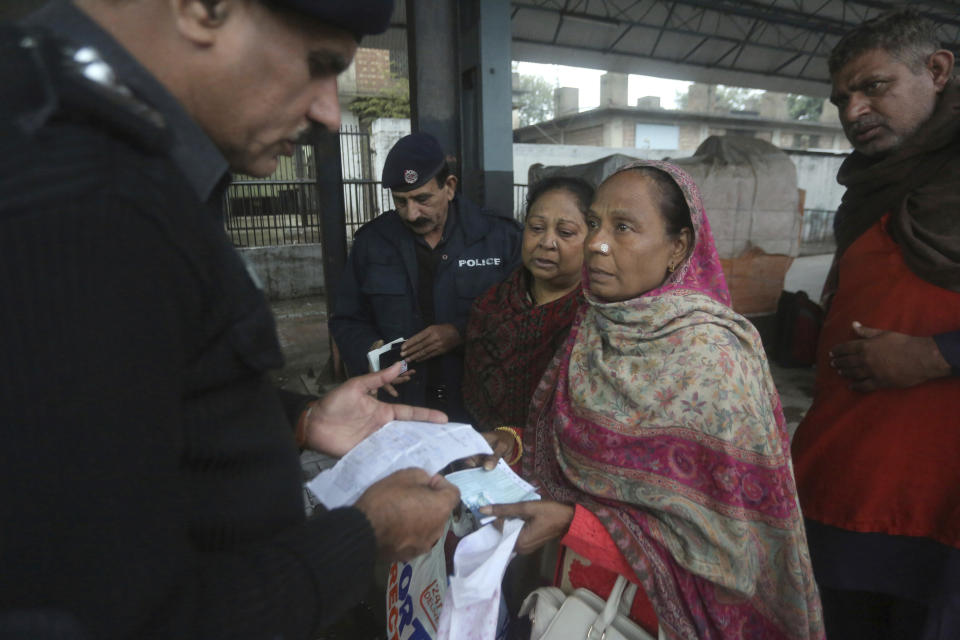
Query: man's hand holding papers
{"x":351,"y":412}
{"x":408,"y":511}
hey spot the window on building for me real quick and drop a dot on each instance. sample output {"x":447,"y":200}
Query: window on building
{"x":657,"y":136}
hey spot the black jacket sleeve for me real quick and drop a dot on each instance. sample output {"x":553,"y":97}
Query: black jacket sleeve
{"x":97,"y":309}
{"x":949,"y":345}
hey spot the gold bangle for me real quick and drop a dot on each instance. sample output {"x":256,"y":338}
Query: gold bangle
{"x":519,"y":441}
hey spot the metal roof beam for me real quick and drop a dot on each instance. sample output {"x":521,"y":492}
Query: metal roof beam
{"x":686,"y":32}
{"x":584,"y":48}
{"x":773,"y":15}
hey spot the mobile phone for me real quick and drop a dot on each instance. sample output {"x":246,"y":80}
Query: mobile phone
{"x":391,"y":356}
{"x":384,"y":356}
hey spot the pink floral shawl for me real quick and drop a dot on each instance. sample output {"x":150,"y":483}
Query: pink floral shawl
{"x":659,"y":415}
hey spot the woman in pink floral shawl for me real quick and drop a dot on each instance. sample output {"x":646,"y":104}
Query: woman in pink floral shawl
{"x":658,"y":420}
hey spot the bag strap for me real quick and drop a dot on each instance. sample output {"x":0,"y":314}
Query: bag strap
{"x":626,"y":602}
{"x":598,"y":629}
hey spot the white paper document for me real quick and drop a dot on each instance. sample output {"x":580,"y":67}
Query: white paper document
{"x":500,"y":485}
{"x":397,"y":445}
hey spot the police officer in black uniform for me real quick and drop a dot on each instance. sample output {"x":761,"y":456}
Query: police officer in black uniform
{"x":149,"y":475}
{"x":414,"y":272}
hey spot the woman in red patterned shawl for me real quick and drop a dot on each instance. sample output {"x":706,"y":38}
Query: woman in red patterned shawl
{"x":656,"y":436}
{"x":517,"y":325}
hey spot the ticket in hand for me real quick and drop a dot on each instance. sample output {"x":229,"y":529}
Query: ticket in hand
{"x":500,"y":485}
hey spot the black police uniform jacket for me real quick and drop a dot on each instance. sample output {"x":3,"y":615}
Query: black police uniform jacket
{"x":377,"y":294}
{"x":149,"y":482}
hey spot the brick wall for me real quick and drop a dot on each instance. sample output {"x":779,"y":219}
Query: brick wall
{"x":373,"y":71}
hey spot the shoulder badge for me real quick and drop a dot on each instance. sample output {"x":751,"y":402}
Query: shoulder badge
{"x":51,"y":77}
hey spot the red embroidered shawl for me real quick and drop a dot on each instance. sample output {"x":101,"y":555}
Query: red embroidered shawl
{"x":509,"y":343}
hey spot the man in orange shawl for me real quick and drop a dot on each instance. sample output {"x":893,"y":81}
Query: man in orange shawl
{"x":876,"y":456}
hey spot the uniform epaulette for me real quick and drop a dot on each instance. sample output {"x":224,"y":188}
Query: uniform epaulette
{"x":72,"y":83}
{"x":368,"y":224}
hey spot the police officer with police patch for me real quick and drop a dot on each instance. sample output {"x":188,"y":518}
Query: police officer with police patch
{"x":414,"y":272}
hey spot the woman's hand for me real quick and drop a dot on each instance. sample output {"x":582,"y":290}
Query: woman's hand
{"x":504,"y":446}
{"x":543,"y":520}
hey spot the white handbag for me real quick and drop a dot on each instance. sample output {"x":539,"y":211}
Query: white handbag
{"x":583,"y":615}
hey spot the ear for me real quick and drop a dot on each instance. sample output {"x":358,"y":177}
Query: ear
{"x":681,"y":246}
{"x":940,"y":65}
{"x":451,"y":186}
{"x":199,"y":20}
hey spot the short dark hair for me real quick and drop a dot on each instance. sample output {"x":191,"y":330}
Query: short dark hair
{"x":442,"y":175}
{"x":580,"y":189}
{"x":904,"y":34}
{"x":673,"y":204}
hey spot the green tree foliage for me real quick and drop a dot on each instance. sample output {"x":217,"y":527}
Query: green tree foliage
{"x":534,"y":97}
{"x":725,"y":98}
{"x":804,"y":107}
{"x":735,"y":98}
{"x":394,"y":104}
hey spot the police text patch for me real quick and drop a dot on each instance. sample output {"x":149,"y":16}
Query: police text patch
{"x":479,"y":262}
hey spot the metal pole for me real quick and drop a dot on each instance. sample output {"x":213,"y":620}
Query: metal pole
{"x":333,"y":226}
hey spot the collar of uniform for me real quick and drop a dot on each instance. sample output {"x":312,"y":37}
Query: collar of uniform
{"x":449,"y":226}
{"x":193,"y":152}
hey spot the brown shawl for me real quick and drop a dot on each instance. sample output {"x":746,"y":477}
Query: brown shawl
{"x":919,"y":185}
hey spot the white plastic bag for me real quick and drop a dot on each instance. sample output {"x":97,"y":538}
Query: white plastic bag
{"x":415,"y":592}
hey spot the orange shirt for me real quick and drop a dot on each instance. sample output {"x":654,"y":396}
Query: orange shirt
{"x":589,"y":538}
{"x":886,"y":461}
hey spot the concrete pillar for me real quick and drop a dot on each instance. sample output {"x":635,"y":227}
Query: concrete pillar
{"x":648,"y":102}
{"x":613,"y":89}
{"x":773,"y":105}
{"x":384,"y":133}
{"x":830,"y":114}
{"x":613,"y":133}
{"x":699,"y":97}
{"x":566,"y":101}
{"x":486,"y":103}
{"x":432,"y":28}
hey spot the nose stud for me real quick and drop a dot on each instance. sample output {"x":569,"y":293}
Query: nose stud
{"x":604,"y":248}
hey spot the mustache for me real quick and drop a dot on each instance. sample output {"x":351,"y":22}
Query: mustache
{"x":419,"y":222}
{"x":864,"y":123}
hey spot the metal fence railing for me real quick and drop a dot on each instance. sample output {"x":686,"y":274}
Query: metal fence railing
{"x":519,"y":201}
{"x":284,"y":208}
{"x":280,"y":210}
{"x":817,"y":226}
{"x":363,"y":196}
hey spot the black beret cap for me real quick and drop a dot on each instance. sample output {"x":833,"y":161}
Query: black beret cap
{"x":412,"y":162}
{"x":359,"y":17}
